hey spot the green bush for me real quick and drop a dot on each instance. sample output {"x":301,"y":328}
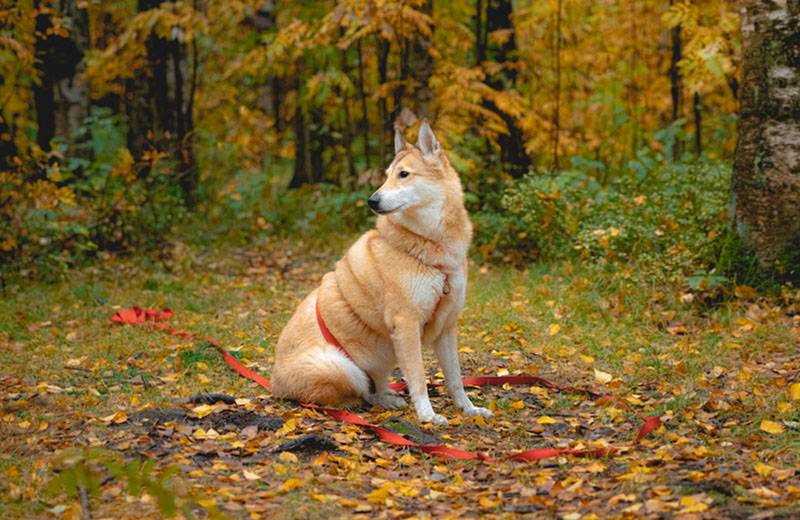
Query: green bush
{"x":654,"y":211}
{"x":87,"y":193}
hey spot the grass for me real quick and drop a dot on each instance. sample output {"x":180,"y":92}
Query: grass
{"x":713,"y":372}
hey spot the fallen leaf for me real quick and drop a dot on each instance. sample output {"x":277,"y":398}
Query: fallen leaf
{"x":794,"y":391}
{"x":287,"y":456}
{"x":249,"y":475}
{"x":602,"y":377}
{"x":408,"y":459}
{"x":763,"y":469}
{"x":203,"y":410}
{"x":772,"y":427}
{"x":546,"y":420}
{"x":115,"y":418}
{"x":290,"y":484}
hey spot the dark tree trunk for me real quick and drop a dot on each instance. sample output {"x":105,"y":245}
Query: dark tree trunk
{"x":61,"y":98}
{"x":420,"y":65}
{"x":697,"y":107}
{"x":318,"y":140}
{"x":347,"y":128}
{"x":265,"y":20}
{"x":386,"y":123}
{"x":364,"y":106}
{"x":480,"y":42}
{"x":512,"y":145}
{"x":302,"y":151}
{"x":766,"y":172}
{"x":160,"y":103}
{"x":676,"y":83}
{"x":8,"y":150}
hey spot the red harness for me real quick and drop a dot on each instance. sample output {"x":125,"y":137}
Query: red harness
{"x":330,"y":338}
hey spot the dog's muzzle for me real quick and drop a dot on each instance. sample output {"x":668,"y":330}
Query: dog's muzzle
{"x":374,"y":202}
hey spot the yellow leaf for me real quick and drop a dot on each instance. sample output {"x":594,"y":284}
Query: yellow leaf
{"x":518,"y":405}
{"x":771,"y":427}
{"x":408,"y":459}
{"x":288,"y":426}
{"x":115,"y":418}
{"x":487,"y":502}
{"x":794,"y":391}
{"x":378,"y":495}
{"x":763,"y":469}
{"x":502,"y":372}
{"x":290,"y":484}
{"x":546,"y":420}
{"x":587,"y":359}
{"x":692,"y":505}
{"x":553,"y":329}
{"x":249,"y":475}
{"x":203,"y":410}
{"x":602,"y":377}
{"x":207,"y":502}
{"x":287,"y":456}
{"x":784,"y":407}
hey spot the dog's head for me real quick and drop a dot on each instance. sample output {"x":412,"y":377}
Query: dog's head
{"x":418,"y":178}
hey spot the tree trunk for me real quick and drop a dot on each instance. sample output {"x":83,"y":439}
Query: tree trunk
{"x":766,"y":172}
{"x":302,"y":150}
{"x":160,"y":103}
{"x":347,"y":126}
{"x":363,"y":95}
{"x":697,"y":108}
{"x":512,"y":146}
{"x":480,"y":43}
{"x":386,"y":123}
{"x":420,"y":65}
{"x":61,"y":97}
{"x":676,"y":84}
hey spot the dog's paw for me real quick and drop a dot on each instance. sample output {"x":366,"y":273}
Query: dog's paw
{"x":392,"y":402}
{"x":478,"y":410}
{"x":435,"y":419}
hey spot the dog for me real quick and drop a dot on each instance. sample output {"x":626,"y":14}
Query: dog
{"x":400,"y":287}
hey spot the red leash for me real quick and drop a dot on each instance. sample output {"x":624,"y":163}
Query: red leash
{"x":154,"y":317}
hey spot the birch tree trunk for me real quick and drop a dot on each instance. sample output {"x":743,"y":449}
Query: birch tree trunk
{"x":765,"y":191}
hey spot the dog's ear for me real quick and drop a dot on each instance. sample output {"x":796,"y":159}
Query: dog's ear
{"x":399,"y":138}
{"x":427,"y":142}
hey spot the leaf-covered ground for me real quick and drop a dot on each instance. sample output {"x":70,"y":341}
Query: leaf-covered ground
{"x":722,"y":371}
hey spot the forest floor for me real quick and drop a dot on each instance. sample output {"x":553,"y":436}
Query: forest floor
{"x":722,"y":371}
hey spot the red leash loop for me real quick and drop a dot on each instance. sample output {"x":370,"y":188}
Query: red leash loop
{"x":153,"y":317}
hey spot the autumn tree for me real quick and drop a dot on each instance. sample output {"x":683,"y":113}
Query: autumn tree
{"x":766,"y":171}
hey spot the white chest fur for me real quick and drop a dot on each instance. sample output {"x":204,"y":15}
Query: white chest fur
{"x":436,"y":290}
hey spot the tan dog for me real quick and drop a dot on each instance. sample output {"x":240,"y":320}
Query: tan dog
{"x":399,"y":287}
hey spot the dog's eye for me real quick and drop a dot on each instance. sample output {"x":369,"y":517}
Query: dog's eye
{"x":403,"y":174}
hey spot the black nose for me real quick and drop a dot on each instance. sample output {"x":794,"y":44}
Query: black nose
{"x":374,"y":201}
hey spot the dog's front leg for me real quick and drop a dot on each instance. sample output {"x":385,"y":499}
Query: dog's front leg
{"x":447,"y":354}
{"x":408,"y":349}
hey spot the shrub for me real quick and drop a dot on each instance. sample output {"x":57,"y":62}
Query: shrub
{"x":85,"y":194}
{"x":654,"y":212}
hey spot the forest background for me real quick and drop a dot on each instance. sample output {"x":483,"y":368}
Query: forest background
{"x":598,"y":129}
